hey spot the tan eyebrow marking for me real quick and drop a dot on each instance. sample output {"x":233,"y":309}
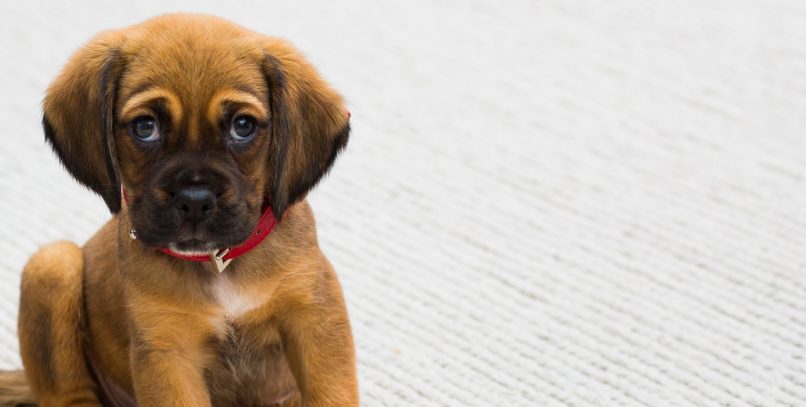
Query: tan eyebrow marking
{"x":137,"y":104}
{"x":248,"y":101}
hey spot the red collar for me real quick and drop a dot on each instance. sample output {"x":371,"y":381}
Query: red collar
{"x":221,"y":259}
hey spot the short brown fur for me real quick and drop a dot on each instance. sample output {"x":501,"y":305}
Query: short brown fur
{"x":116,"y":322}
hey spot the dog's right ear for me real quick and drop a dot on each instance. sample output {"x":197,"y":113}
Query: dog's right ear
{"x":79,"y":116}
{"x":310,"y":124}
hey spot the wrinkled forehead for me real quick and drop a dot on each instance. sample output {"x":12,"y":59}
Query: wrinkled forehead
{"x":190,"y":75}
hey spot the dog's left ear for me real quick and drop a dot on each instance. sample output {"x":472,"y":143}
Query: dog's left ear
{"x":79,"y":116}
{"x":309,"y":122}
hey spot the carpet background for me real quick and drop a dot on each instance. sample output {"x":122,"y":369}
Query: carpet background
{"x":557,"y":202}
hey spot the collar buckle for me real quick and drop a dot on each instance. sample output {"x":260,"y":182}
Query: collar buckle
{"x":218,"y":262}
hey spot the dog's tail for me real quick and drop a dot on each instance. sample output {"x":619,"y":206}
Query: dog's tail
{"x":15,"y":391}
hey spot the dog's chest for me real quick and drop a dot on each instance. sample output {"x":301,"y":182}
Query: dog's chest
{"x":250,"y":364}
{"x":234,"y":300}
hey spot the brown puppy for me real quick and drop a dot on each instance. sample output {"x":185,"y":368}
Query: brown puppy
{"x":201,"y":123}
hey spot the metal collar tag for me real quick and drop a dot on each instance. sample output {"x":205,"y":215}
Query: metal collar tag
{"x":218,"y":262}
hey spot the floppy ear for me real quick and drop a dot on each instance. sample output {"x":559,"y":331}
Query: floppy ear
{"x":310,"y":125}
{"x":79,"y":116}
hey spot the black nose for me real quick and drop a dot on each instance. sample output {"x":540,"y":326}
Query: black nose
{"x":195,"y":203}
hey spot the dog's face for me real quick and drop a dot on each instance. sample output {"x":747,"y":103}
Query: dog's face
{"x":199,"y":121}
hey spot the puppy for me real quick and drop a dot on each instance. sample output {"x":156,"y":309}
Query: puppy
{"x":207,"y":287}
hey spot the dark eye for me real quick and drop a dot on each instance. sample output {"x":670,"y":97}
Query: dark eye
{"x":146,"y":129}
{"x":243,"y":128}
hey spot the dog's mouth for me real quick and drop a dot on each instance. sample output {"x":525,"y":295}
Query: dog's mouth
{"x":194,"y":247}
{"x":205,"y":238}
{"x":162,"y":223}
{"x":198,"y":240}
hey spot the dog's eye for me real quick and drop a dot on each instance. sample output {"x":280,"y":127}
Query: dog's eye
{"x":243,"y":128}
{"x":146,"y":129}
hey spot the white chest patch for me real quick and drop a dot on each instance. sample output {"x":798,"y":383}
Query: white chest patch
{"x":233,"y":301}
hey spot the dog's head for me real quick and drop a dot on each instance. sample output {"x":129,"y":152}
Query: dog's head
{"x":199,"y":120}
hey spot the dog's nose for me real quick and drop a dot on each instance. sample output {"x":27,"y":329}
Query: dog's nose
{"x":195,"y":203}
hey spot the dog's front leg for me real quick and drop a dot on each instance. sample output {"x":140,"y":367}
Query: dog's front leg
{"x":319,"y":347}
{"x":168,"y":355}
